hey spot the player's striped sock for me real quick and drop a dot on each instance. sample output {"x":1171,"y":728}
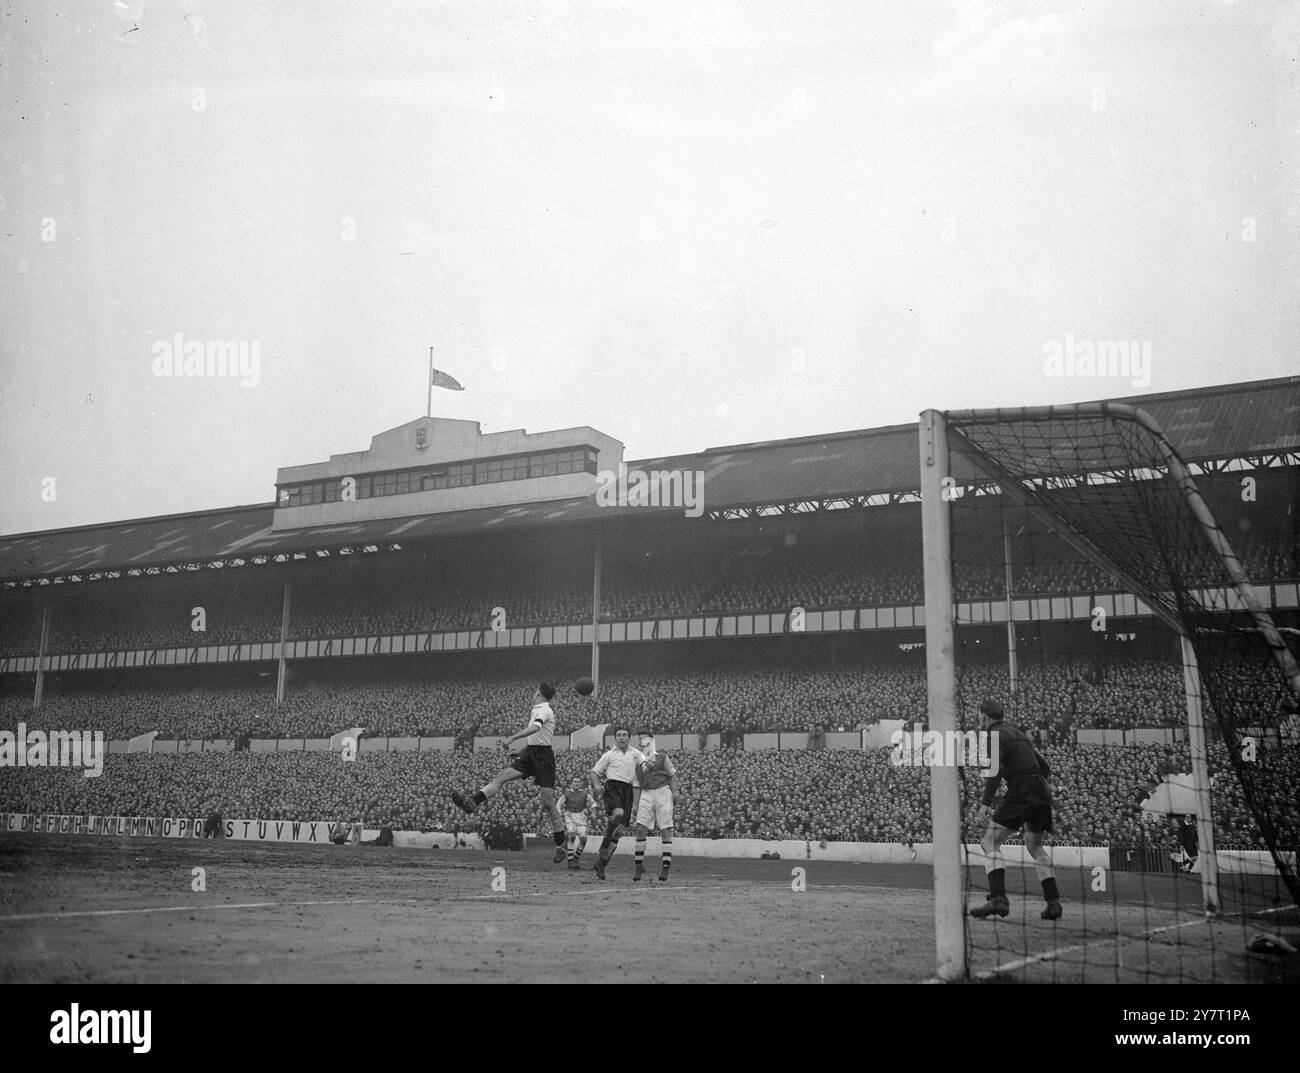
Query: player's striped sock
{"x":640,"y":852}
{"x":666,"y":858}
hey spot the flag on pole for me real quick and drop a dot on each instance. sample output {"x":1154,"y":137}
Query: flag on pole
{"x":441,"y":379}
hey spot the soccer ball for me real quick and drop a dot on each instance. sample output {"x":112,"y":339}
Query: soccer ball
{"x":584,"y":686}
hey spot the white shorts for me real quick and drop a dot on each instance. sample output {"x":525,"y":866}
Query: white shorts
{"x":575,"y":824}
{"x":655,"y":809}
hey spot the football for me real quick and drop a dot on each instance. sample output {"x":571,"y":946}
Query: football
{"x":584,"y":686}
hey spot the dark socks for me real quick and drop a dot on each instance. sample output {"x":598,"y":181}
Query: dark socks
{"x":998,"y":883}
{"x":612,"y":833}
{"x":480,"y":798}
{"x":1050,"y":893}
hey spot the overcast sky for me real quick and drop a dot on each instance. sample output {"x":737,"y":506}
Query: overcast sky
{"x":684,"y":224}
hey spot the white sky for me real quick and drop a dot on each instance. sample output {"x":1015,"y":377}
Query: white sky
{"x":683,"y":224}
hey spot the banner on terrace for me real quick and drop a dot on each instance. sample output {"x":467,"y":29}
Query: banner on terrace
{"x":165,"y":827}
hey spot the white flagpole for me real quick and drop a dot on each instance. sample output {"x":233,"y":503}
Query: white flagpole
{"x":428,"y":387}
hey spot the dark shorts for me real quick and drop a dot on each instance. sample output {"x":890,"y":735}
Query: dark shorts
{"x":537,"y":762}
{"x":1028,"y":804}
{"x":618,"y":795}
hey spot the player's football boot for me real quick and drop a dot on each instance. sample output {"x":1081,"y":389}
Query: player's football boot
{"x":560,"y":855}
{"x":996,"y":906}
{"x":1053,"y":911}
{"x":640,"y":871}
{"x":663,"y":875}
{"x":599,"y":867}
{"x":461,"y":802}
{"x":573,"y":864}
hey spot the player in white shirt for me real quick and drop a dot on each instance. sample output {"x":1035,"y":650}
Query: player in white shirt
{"x":536,"y":761}
{"x":620,"y":793}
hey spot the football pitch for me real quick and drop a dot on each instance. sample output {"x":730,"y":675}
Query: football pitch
{"x":75,"y":909}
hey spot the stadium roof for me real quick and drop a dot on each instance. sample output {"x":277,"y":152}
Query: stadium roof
{"x":1257,"y":421}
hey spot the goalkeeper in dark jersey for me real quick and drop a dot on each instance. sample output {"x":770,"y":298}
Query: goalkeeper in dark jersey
{"x":1027,"y":805}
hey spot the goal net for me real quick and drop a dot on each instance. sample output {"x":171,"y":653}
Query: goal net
{"x":1096,"y":587}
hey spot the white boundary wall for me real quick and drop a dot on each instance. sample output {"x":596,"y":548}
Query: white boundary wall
{"x":236,"y":830}
{"x":874,"y":736}
{"x":1250,"y":862}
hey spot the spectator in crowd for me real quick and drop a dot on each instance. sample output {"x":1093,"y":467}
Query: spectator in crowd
{"x":1186,"y":855}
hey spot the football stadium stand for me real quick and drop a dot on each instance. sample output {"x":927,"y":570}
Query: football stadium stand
{"x":467,"y":567}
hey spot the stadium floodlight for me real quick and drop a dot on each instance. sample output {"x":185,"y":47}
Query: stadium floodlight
{"x":1107,"y":483}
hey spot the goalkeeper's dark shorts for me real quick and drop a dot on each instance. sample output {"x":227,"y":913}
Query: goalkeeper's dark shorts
{"x":1028,"y":804}
{"x":537,"y":762}
{"x":618,"y":795}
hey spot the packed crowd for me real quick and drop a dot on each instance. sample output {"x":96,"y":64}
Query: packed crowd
{"x":447,"y":591}
{"x":772,"y":569}
{"x":207,"y":609}
{"x":846,"y":795}
{"x":1059,"y":694}
{"x":1078,"y":693}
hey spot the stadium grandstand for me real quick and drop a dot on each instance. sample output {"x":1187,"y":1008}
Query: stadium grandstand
{"x":421,"y":588}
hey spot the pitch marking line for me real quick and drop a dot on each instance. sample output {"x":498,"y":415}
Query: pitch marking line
{"x":1051,"y":955}
{"x":1025,"y":962}
{"x":565,"y":893}
{"x":174,"y":909}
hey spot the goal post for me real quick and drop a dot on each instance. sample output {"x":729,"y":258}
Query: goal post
{"x":1105,"y":481}
{"x":1200,"y":776}
{"x":941,"y":691}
